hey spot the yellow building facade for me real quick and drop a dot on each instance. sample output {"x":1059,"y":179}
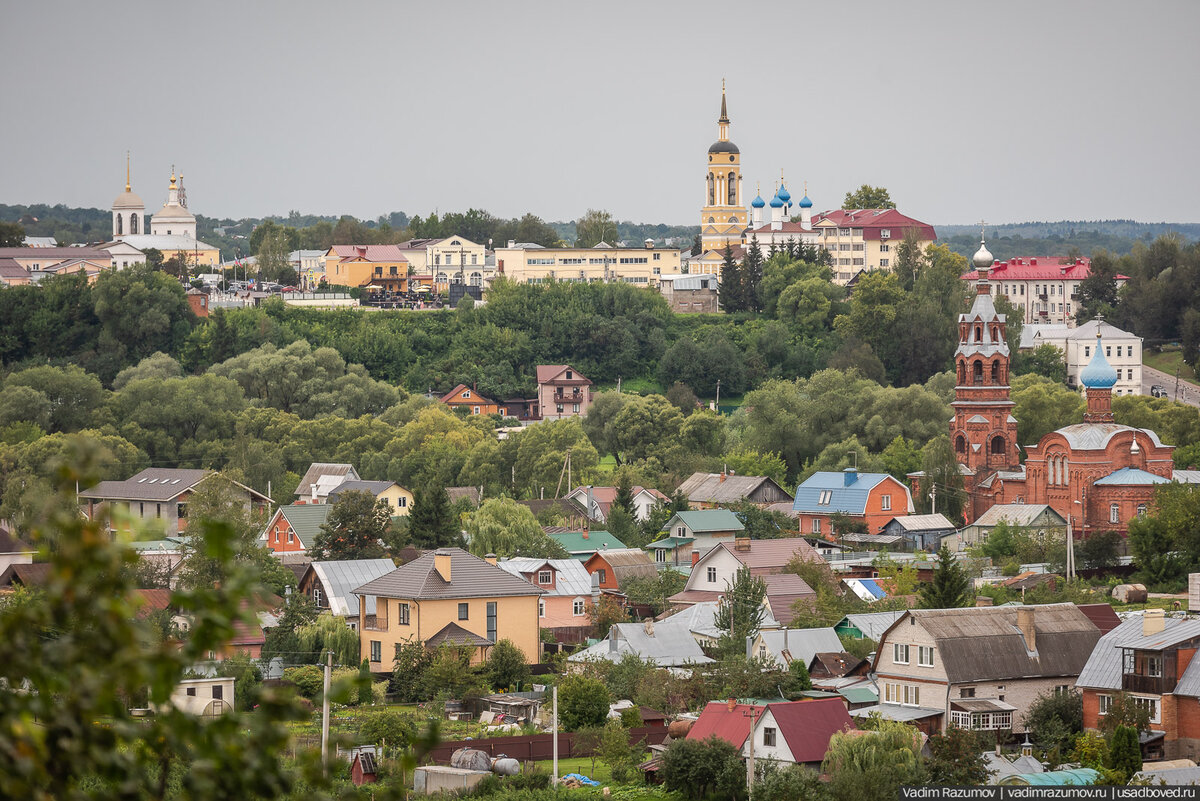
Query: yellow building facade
{"x":448,"y":597}
{"x":723,"y":218}
{"x":363,"y":265}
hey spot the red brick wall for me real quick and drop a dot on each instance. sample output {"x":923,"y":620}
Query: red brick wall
{"x":1091,"y":709}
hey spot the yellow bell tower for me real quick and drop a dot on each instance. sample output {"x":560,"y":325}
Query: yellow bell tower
{"x":723,"y":217}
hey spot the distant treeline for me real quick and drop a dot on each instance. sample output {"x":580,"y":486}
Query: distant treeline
{"x":1063,"y":238}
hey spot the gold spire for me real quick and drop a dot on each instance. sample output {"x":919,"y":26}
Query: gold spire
{"x":128,"y":185}
{"x":172,"y":176}
{"x":724,"y":112}
{"x":806,"y":188}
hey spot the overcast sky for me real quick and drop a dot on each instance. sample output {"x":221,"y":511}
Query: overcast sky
{"x":1009,"y":111}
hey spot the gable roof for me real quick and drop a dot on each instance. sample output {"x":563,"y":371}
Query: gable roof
{"x":317,"y":469}
{"x":571,"y":577}
{"x":553,"y":372}
{"x":373,"y":487}
{"x":305,"y":519}
{"x":808,"y":725}
{"x":935,"y":522}
{"x":454,"y":634}
{"x":10,"y":544}
{"x":711,"y":488}
{"x":580,"y":542}
{"x":731,"y":725}
{"x":25,"y":575}
{"x":567,"y":507}
{"x":1104,"y":665}
{"x":705,"y":520}
{"x":872,"y":624}
{"x":470,"y":577}
{"x":458,"y":493}
{"x":1017,"y":514}
{"x":873,"y":221}
{"x":339,"y":578}
{"x":1102,"y":616}
{"x":626,"y":562}
{"x":476,"y":398}
{"x":604,"y":497}
{"x":367,"y":253}
{"x":848,"y":491}
{"x":984,"y":643}
{"x":800,"y":645}
{"x":151,"y":484}
{"x":763,"y":555}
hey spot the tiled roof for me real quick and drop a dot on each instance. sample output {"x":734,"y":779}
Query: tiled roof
{"x":762,"y":555}
{"x":306,"y":520}
{"x":808,"y":725}
{"x":470,"y":577}
{"x":710,"y":488}
{"x":454,"y":634}
{"x":705,"y":520}
{"x":842,"y":497}
{"x":152,"y":484}
{"x":340,"y":578}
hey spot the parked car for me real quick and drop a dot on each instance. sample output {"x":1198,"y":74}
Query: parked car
{"x":1158,"y":391}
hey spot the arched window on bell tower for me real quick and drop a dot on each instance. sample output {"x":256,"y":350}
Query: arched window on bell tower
{"x":119,"y":231}
{"x":133,"y":223}
{"x":995,"y":372}
{"x":731,"y":190}
{"x":977,"y":372}
{"x":712,"y":190}
{"x":998,"y":446}
{"x":960,"y":444}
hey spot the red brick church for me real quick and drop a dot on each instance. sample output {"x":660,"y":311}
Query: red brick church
{"x":1097,"y":473}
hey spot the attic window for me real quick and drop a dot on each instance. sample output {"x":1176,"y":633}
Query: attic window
{"x":826,"y":497}
{"x":140,"y":480}
{"x":569,"y":375}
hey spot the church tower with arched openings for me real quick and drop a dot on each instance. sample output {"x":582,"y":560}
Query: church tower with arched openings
{"x":723,"y":218}
{"x":983,"y":432}
{"x":128,"y":210}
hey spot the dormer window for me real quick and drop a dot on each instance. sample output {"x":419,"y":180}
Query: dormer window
{"x":569,"y":375}
{"x":544,"y":577}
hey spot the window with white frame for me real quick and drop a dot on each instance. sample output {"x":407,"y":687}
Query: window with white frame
{"x":402,"y":614}
{"x":768,"y":735}
{"x":712,"y":575}
{"x":925,"y":656}
{"x":1148,"y":704}
{"x":1105,"y":703}
{"x":577,"y":607}
{"x":816,"y":525}
{"x":543,"y":577}
{"x":1114,"y":513}
{"x":885,"y":502}
{"x":899,"y":654}
{"x":1154,"y":666}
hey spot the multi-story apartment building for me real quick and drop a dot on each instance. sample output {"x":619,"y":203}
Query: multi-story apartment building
{"x":1122,"y":349}
{"x":527,"y":263}
{"x":866,"y":239}
{"x":1046,"y":290}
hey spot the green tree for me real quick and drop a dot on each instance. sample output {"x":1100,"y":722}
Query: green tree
{"x":1124,"y":711}
{"x":752,"y":275}
{"x":157,"y":366}
{"x":140,"y":311}
{"x":412,"y":659}
{"x":732,"y":286}
{"x":355,"y":529}
{"x":868,"y":197}
{"x":582,"y":702}
{"x":506,"y":668}
{"x":1045,"y":360}
{"x":1100,"y":550}
{"x":605,"y":614}
{"x":774,"y":782}
{"x":504,"y":527}
{"x":872,"y":767}
{"x":329,"y":633}
{"x":740,"y":611}
{"x":701,"y":768}
{"x":909,"y":259}
{"x":956,"y":758}
{"x":595,"y":227}
{"x":365,"y":696}
{"x":74,"y":394}
{"x":941,"y":470}
{"x":431,"y":523}
{"x":12,"y":235}
{"x":951,"y":586}
{"x":901,"y":457}
{"x":1124,"y":753}
{"x":617,"y":752}
{"x":1054,"y":719}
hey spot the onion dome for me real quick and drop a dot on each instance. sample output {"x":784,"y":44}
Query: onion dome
{"x":983,"y":258}
{"x":805,"y":203}
{"x":783,"y":194}
{"x":758,"y":202}
{"x":1099,"y":374}
{"x":723,"y":146}
{"x":776,"y":202}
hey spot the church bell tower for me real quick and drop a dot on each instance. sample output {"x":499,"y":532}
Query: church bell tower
{"x":723,"y":218}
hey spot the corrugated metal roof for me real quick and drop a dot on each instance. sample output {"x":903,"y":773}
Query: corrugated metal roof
{"x":935,"y":522}
{"x":306,"y":520}
{"x":1017,"y":514}
{"x":896,"y":712}
{"x":1055,"y":778}
{"x":578,"y":542}
{"x":1187,"y":476}
{"x":1096,"y":436}
{"x":373,"y":487}
{"x":340,"y":578}
{"x":705,"y":520}
{"x":711,"y":488}
{"x":571,"y":578}
{"x":1168,"y":776}
{"x":838,"y":496}
{"x":802,"y":644}
{"x":1103,"y":668}
{"x":318,"y":469}
{"x":873,"y":624}
{"x":151,"y":484}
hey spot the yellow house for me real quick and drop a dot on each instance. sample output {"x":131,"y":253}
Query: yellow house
{"x":397,"y":497}
{"x":363,"y":265}
{"x":448,"y":597}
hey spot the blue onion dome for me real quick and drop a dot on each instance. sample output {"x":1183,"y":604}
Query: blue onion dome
{"x":1099,"y":374}
{"x":776,"y":202}
{"x":805,"y":203}
{"x":758,"y":202}
{"x":783,"y":194}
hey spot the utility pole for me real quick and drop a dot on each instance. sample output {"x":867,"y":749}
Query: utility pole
{"x":750,"y":760}
{"x":618,"y":385}
{"x":1176,"y":384}
{"x":554,"y":729}
{"x":718,"y":403}
{"x":325,"y":715}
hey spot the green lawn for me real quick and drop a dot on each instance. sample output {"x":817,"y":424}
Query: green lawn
{"x":580,"y":765}
{"x":1169,"y":360}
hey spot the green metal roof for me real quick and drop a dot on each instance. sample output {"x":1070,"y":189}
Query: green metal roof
{"x":306,"y":519}
{"x":704,"y":520}
{"x":859,"y":695}
{"x":573,"y":542}
{"x":1077,"y":777}
{"x":669,"y":543}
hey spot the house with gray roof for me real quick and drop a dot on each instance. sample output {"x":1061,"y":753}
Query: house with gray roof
{"x":1037,"y":519}
{"x":160,"y":494}
{"x":867,"y":625}
{"x":982,"y":667}
{"x":568,"y":592}
{"x":320,"y":478}
{"x":1151,"y":660}
{"x":677,"y":641}
{"x":331,"y":585}
{"x":920,"y":532}
{"x":709,"y":490}
{"x":783,"y":646}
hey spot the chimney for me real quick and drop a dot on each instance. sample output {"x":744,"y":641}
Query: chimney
{"x":612,"y":640}
{"x":695,"y":557}
{"x":1152,"y":622}
{"x":732,"y":704}
{"x":585,"y":533}
{"x":722,"y":477}
{"x":490,"y":558}
{"x":741,"y":544}
{"x":313,"y":487}
{"x":849,"y":476}
{"x":983,"y":600}
{"x":441,"y":562}
{"x":1025,"y":624}
{"x":512,"y":243}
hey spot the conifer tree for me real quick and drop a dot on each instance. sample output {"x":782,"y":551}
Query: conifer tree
{"x":431,"y":523}
{"x":731,"y":283}
{"x":752,"y":273}
{"x":950,"y":588}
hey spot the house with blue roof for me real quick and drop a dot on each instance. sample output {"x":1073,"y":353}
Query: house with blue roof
{"x":871,"y":499}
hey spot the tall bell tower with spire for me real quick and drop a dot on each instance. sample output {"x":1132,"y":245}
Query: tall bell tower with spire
{"x":128,"y":210}
{"x":723,"y":217}
{"x":983,"y":431}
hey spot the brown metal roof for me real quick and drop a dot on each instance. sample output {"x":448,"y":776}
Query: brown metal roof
{"x":1102,"y":615}
{"x":25,"y":575}
{"x":152,"y":484}
{"x":454,"y":634}
{"x":626,"y":562}
{"x":470,"y":577}
{"x":318,"y":469}
{"x":984,"y":643}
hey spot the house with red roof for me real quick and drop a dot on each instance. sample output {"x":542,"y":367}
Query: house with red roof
{"x":1045,"y":289}
{"x":384,"y":266}
{"x":798,"y":731}
{"x":562,"y":391}
{"x":725,"y":720}
{"x":464,"y":397}
{"x":866,"y":239}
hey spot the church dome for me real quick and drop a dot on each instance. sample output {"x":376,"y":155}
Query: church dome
{"x":723,"y":147}
{"x":1099,"y":374}
{"x":783,"y":194}
{"x":983,"y":258}
{"x":776,"y":203}
{"x":128,"y":200}
{"x":758,"y":202}
{"x":805,"y":203}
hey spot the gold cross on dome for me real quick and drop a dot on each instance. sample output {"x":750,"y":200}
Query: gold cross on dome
{"x":982,"y":229}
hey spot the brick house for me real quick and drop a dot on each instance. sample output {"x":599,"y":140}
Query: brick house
{"x":1150,"y":660}
{"x":292,"y":529}
{"x":981,"y":668}
{"x":873,"y":499}
{"x":464,"y":397}
{"x":562,"y":391}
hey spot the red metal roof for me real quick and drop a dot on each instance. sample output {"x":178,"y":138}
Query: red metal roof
{"x":872,"y":221}
{"x":808,"y":725}
{"x":368,"y":252}
{"x":549,"y":372}
{"x":730,"y":725}
{"x":1039,"y":268}
{"x":1102,"y":615}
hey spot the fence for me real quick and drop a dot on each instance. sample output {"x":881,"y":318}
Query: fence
{"x":537,"y":747}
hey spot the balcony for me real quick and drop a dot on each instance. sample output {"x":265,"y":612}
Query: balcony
{"x":1137,"y":683}
{"x":373,"y":623}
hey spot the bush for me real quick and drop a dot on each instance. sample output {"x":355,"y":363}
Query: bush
{"x":309,"y":680}
{"x":696,"y":769}
{"x":582,"y":702}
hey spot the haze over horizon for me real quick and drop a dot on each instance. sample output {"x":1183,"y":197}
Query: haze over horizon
{"x":1027,"y":111}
